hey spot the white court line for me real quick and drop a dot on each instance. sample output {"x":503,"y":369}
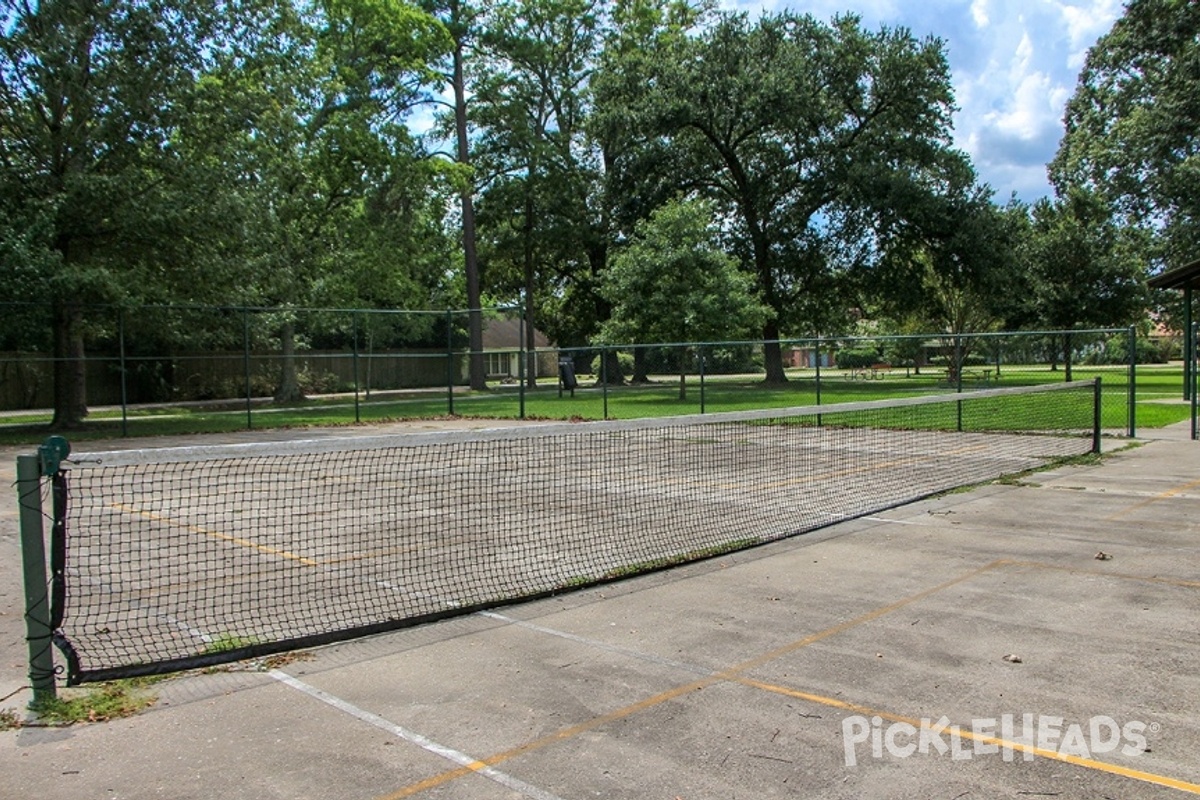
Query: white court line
{"x":666,"y":662}
{"x":892,"y":521}
{"x":462,"y":759}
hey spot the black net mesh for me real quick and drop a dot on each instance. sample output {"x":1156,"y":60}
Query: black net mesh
{"x":183,"y":557}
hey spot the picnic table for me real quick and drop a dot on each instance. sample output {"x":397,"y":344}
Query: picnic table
{"x":873,"y":372}
{"x":975,"y":376}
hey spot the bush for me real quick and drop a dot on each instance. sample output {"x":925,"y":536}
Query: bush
{"x":856,"y":358}
{"x":969,"y":360}
{"x":624,"y":360}
{"x":731,"y":360}
{"x":1116,"y":351}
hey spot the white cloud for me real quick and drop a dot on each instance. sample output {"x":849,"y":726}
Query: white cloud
{"x":1086,"y":23}
{"x":1014,"y":67}
{"x":979,"y":13}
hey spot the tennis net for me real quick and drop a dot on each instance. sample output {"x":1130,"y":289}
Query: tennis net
{"x":183,"y":557}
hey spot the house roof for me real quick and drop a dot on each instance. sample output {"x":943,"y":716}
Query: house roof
{"x":1185,"y":277}
{"x":505,"y":334}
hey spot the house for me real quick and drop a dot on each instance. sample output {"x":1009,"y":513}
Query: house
{"x":502,"y":342}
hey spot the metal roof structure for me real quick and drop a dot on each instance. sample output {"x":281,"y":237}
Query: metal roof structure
{"x":1184,"y":277}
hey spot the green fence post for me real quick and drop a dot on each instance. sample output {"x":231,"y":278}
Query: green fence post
{"x":1191,"y":370}
{"x":817,"y":348}
{"x":33,"y":559}
{"x":246,"y":367}
{"x":958,"y":369}
{"x":1096,"y":409}
{"x":124,"y":383}
{"x":1189,"y":345}
{"x":1132,"y":399}
{"x":701,"y":354}
{"x":604,"y":378}
{"x":450,"y":362}
{"x":354,"y":336}
{"x":522,"y":366}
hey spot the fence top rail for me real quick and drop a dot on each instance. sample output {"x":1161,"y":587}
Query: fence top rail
{"x":272,"y":309}
{"x":834,"y":339}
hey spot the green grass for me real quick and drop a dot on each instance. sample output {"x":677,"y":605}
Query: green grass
{"x":226,"y":642}
{"x":100,"y":703}
{"x":1157,"y":389}
{"x":639,"y":567}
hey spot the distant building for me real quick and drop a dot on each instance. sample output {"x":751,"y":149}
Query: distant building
{"x":806,"y":357}
{"x":502,"y":351}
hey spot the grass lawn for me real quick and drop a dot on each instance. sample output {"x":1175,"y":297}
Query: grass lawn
{"x":1158,"y":392}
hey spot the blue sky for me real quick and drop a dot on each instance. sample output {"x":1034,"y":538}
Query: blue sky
{"x":1014,"y":63}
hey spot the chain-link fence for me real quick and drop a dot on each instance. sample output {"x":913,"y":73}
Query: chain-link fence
{"x":642,"y":380}
{"x":169,"y":365}
{"x":126,"y":364}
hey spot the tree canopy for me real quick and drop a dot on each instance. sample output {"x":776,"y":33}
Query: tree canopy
{"x":288,"y":153}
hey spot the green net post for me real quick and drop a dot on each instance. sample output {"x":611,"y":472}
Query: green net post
{"x":37,"y":598}
{"x":1096,"y":409}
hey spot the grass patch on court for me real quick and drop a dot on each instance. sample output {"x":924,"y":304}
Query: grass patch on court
{"x":101,"y":703}
{"x":9,"y":720}
{"x":639,"y":567}
{"x":226,"y":642}
{"x":1019,"y":478}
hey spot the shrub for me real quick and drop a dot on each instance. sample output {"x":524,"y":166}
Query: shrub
{"x":1116,"y":351}
{"x":856,"y":358}
{"x":624,"y":360}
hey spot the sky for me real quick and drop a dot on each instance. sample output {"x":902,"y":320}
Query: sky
{"x":1014,"y":65}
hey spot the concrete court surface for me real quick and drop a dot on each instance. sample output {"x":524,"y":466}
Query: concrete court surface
{"x":881,"y":642}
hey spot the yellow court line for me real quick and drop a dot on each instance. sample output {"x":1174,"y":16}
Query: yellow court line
{"x":734,"y":675}
{"x":271,"y":551}
{"x":557,"y":736}
{"x":966,"y":733}
{"x":1161,"y":496}
{"x":671,"y":694}
{"x":1105,"y":574}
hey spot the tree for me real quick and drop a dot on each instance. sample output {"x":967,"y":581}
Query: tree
{"x":782,"y":121}
{"x":325,"y":101}
{"x":674,"y":283}
{"x":1133,"y":125}
{"x":539,"y":169}
{"x":462,"y":20}
{"x":90,"y":97}
{"x":1084,"y":270}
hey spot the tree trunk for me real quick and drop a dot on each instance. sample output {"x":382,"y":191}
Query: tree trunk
{"x":611,"y":373}
{"x":683,"y":356}
{"x":476,"y":366}
{"x":1067,"y":357}
{"x":773,"y":353}
{"x":70,"y":368}
{"x":639,"y":366}
{"x":289,"y":383}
